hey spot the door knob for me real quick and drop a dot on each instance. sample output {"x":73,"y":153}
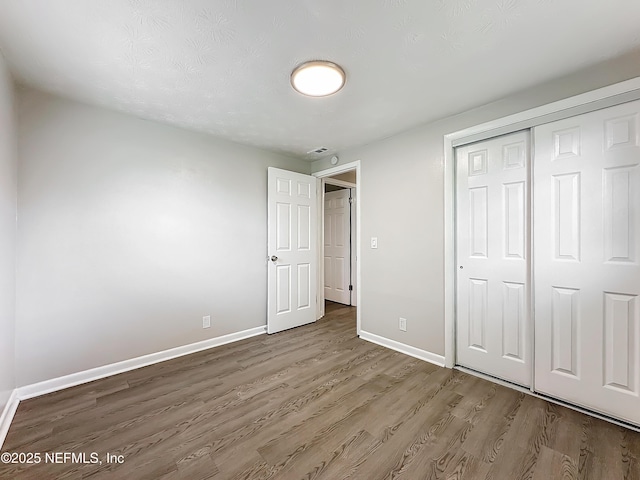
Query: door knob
{"x":273,"y":258}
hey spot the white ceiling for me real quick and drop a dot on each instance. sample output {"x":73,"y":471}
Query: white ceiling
{"x":223,"y":66}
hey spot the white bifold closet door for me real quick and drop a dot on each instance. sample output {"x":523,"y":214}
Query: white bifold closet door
{"x":492,"y":325}
{"x":586,"y":199}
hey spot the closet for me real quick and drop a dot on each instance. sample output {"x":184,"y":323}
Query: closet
{"x":548,"y":275}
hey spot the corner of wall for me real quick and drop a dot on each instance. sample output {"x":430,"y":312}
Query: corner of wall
{"x":8,"y":231}
{"x":7,"y":414}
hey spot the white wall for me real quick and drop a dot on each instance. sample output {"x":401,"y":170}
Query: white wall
{"x":402,"y":189}
{"x":8,"y":180}
{"x":129,"y":232}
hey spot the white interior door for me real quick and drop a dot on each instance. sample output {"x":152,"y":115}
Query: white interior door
{"x":587,"y":270}
{"x":292,"y":247}
{"x":337,"y":250}
{"x":354,"y":243}
{"x":492,"y":322}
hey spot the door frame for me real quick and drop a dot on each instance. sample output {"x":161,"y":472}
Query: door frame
{"x":323,"y":174}
{"x":608,"y":96}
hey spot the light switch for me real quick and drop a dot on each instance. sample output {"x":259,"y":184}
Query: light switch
{"x":374,"y":242}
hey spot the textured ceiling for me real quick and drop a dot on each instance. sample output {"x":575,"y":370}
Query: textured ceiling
{"x":223,"y":66}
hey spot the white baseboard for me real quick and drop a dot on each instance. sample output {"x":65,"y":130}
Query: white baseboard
{"x":403,"y":348}
{"x":7,"y":415}
{"x":66,"y":381}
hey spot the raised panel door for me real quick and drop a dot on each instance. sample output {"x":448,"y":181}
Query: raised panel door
{"x":492,"y":321}
{"x":587,"y":276}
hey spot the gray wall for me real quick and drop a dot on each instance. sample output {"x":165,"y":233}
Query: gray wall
{"x":402,"y":189}
{"x":8,"y":160}
{"x":129,"y":232}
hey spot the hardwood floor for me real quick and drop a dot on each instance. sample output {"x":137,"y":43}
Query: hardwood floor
{"x":314,"y":402}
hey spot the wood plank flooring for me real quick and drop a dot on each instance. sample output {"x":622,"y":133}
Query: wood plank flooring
{"x":314,"y":402}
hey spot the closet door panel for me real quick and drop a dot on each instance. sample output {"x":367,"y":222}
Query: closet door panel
{"x":586,"y":227}
{"x":492,"y":253}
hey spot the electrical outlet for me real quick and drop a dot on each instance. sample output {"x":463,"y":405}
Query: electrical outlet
{"x":206,"y":321}
{"x":374,"y":242}
{"x":402,"y":324}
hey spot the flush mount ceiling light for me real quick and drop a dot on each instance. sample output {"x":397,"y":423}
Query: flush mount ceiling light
{"x":317,"y":78}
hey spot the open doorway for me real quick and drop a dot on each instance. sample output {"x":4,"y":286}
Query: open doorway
{"x":339,"y":259}
{"x":339,"y":221}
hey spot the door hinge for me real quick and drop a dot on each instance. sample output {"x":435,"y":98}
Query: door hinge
{"x":350,"y":287}
{"x":351,"y":200}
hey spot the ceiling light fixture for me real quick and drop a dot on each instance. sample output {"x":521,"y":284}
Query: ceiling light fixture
{"x":318,"y":78}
